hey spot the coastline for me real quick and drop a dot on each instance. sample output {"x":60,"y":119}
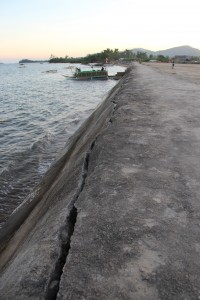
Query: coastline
{"x":25,"y":160}
{"x":69,"y":167}
{"x":120,"y":219}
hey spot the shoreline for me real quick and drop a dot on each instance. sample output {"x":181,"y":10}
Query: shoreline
{"x":120,"y":221}
{"x":23,"y":210}
{"x":26,"y":162}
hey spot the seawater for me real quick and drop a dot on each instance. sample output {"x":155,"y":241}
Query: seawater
{"x":39,"y":111}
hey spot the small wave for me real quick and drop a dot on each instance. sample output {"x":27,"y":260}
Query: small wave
{"x":2,"y":121}
{"x":39,"y":146}
{"x":75,"y":121}
{"x":44,"y":166}
{"x":4,"y":171}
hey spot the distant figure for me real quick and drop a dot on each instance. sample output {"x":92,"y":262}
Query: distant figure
{"x":102,"y":69}
{"x":173,"y":64}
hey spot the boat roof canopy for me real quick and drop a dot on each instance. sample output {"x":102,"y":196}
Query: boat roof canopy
{"x":89,"y":71}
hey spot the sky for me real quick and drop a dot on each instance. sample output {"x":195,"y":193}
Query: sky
{"x":37,"y":29}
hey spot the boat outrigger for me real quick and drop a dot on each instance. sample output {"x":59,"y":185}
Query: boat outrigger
{"x":91,"y":74}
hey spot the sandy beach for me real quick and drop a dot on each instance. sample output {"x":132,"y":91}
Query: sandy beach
{"x":188,"y":72}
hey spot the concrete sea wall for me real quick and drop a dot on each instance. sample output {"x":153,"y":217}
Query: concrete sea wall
{"x":36,"y":232}
{"x":117,"y":216}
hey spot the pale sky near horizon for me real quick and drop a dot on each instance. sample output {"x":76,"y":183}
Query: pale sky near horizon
{"x":36,"y":29}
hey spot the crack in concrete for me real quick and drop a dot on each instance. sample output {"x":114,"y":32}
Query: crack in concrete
{"x":114,"y":108}
{"x":67,"y":233}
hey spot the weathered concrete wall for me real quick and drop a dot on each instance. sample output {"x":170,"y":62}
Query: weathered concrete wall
{"x":31,"y":258}
{"x":137,"y":234}
{"x":124,"y":199}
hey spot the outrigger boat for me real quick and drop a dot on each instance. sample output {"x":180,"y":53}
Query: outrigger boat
{"x":94,"y":74}
{"x":91,"y":74}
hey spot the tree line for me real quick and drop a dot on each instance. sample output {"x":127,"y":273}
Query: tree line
{"x":102,"y":57}
{"x":109,"y":55}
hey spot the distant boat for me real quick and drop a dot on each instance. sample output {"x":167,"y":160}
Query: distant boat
{"x":70,"y":67}
{"x":117,"y":76}
{"x":90,"y":74}
{"x":21,"y":66}
{"x":51,"y":71}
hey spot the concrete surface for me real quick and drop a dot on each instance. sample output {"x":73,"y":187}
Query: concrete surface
{"x":122,"y":218}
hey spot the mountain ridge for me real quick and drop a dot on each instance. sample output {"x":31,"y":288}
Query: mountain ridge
{"x":171,"y":52}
